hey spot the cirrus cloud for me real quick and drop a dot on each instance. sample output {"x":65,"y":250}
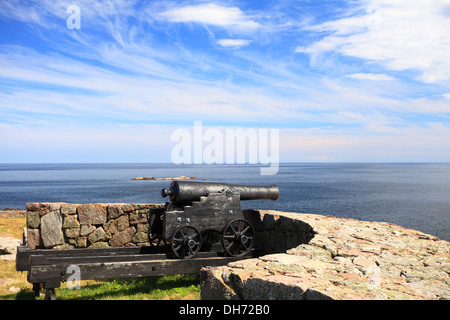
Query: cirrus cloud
{"x":371,"y":76}
{"x":211,"y":14}
{"x":399,"y":35}
{"x":233,"y":42}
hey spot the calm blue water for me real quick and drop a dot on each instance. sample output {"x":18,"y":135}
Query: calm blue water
{"x":415,"y":196}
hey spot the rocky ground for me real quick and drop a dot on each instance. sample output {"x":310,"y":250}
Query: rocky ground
{"x":168,"y":178}
{"x":8,"y":244}
{"x":13,"y":213}
{"x":8,"y":248}
{"x":345,"y":259}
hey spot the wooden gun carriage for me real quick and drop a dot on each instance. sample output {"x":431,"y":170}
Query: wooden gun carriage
{"x":200,"y":213}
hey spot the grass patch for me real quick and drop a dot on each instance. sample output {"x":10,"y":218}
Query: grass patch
{"x":177,"y":287}
{"x":12,"y":227}
{"x":9,"y":278}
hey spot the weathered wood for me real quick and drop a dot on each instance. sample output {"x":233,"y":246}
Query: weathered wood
{"x":24,"y":253}
{"x":22,"y":258}
{"x":70,"y":260}
{"x":148,"y":267}
{"x":52,"y":271}
{"x":49,"y":267}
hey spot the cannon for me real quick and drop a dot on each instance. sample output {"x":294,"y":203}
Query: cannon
{"x":200,"y":214}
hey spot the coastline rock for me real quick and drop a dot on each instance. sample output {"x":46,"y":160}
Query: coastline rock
{"x":344,"y":259}
{"x":169,"y":178}
{"x":8,"y":248}
{"x":13,"y":213}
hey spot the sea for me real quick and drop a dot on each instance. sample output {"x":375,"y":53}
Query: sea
{"x":412,"y":195}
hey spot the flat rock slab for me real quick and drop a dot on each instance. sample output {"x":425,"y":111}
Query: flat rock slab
{"x":8,"y":248}
{"x":346,"y":259}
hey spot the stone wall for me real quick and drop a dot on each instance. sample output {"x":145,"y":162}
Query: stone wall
{"x":324,"y":257}
{"x":101,"y":225}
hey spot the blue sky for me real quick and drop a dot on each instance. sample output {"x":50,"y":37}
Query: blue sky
{"x":364,"y":80}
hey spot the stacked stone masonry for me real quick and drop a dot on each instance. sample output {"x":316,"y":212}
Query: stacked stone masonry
{"x":101,"y":225}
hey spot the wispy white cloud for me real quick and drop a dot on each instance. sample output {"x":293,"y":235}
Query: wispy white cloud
{"x":371,"y":76}
{"x":211,"y":14}
{"x":233,"y":42}
{"x":400,"y":35}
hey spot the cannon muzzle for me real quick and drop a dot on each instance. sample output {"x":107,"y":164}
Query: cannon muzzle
{"x":181,"y":192}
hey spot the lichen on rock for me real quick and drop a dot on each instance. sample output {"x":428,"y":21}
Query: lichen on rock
{"x":334,"y":258}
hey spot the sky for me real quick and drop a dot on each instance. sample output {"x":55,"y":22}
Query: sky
{"x":342,"y":81}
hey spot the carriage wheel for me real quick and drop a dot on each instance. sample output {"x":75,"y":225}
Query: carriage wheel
{"x":238,"y":237}
{"x":186,"y":242}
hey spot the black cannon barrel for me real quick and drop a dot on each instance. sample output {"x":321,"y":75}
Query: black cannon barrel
{"x":186,"y":191}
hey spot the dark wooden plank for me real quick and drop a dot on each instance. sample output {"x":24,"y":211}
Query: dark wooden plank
{"x":66,"y":261}
{"x":22,"y":258}
{"x":49,"y":275}
{"x":147,"y":268}
{"x":24,"y":253}
{"x":100,"y":252}
{"x":53,"y":274}
{"x":100,"y":259}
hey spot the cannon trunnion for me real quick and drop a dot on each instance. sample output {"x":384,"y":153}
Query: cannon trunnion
{"x":201,"y":214}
